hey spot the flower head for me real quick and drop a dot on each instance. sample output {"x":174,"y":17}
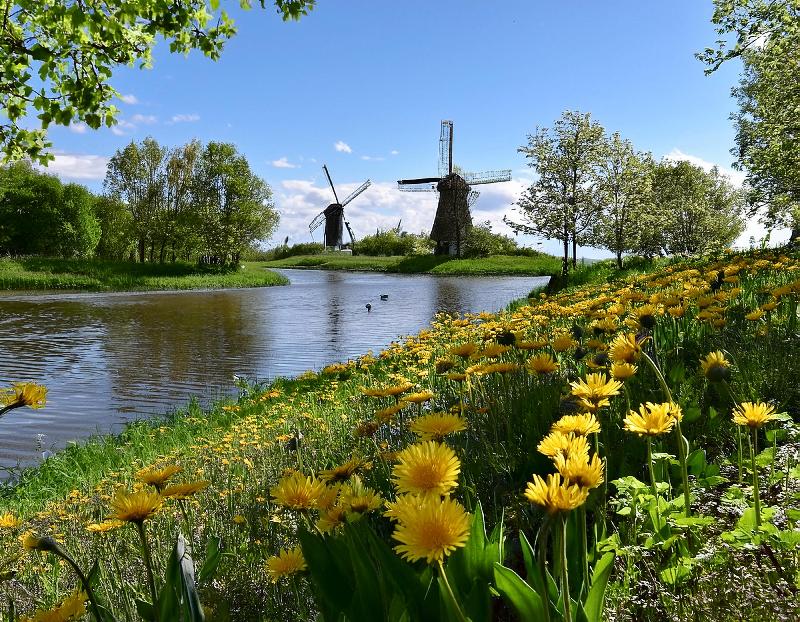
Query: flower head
{"x":105,"y":526}
{"x":135,"y":507}
{"x":465,"y":350}
{"x":356,"y":498}
{"x":623,"y":371}
{"x":576,"y":469}
{"x":298,"y":492}
{"x":433,"y":530}
{"x":184,"y":490}
{"x":419,"y":398}
{"x":581,"y":425}
{"x":71,"y":608}
{"x":557,"y":443}
{"x":753,"y":415}
{"x":8,"y":521}
{"x":285,"y":563}
{"x":427,"y":467}
{"x":157,"y":477}
{"x":342,"y":472}
{"x":541,"y":364}
{"x":554,"y":494}
{"x":24,"y":394}
{"x":625,"y":349}
{"x":651,"y":420}
{"x":715,"y":366}
{"x":594,"y":391}
{"x":435,"y":426}
{"x":563,"y":342}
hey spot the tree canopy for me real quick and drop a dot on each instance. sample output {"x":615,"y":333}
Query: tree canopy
{"x":57,"y":57}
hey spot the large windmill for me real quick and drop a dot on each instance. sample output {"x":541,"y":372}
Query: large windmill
{"x":453,"y":220}
{"x":333,"y":216}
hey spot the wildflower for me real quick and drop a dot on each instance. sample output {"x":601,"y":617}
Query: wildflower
{"x":436,"y":426}
{"x":645,"y":316}
{"x":536,"y":344}
{"x":651,"y":420}
{"x":327,"y":498}
{"x":581,"y":425}
{"x":456,"y":377}
{"x":755,"y":315}
{"x":625,"y":349}
{"x":399,"y":509}
{"x":541,"y":364}
{"x":157,"y":477}
{"x":623,"y":371}
{"x":239,"y":519}
{"x":419,"y":398}
{"x":492,"y":351}
{"x":135,"y":507}
{"x":386,"y":414}
{"x":753,"y":415}
{"x":436,"y":529}
{"x":368,"y":428}
{"x":555,"y":495}
{"x":23,"y":394}
{"x":578,"y":470}
{"x":285,"y":563}
{"x":71,"y":608}
{"x":715,"y":366}
{"x":332,"y":518}
{"x":557,"y":443}
{"x":184,"y":490}
{"x":563,"y":342}
{"x":594,"y":391}
{"x":8,"y":521}
{"x":298,"y":492}
{"x":427,"y":467}
{"x":444,"y":365}
{"x":105,"y":526}
{"x":358,"y":499}
{"x":342,"y":472}
{"x":465,"y":350}
{"x":498,"y":368}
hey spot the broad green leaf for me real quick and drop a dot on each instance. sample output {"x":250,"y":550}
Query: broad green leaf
{"x":522,"y":598}
{"x":597,"y":592}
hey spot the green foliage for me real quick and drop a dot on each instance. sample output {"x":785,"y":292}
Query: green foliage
{"x":391,"y":243}
{"x":305,"y":248}
{"x":481,"y":242}
{"x":58,"y":57}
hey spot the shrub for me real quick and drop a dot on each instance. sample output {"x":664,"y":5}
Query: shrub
{"x":390,"y":243}
{"x":482,"y":242}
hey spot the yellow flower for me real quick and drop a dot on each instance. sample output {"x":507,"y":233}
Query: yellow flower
{"x":578,"y":470}
{"x":297,"y":491}
{"x":135,"y":507}
{"x":342,"y":472}
{"x":330,"y":519}
{"x":623,"y":371}
{"x":753,"y":415}
{"x":465,"y":350}
{"x":24,"y":394}
{"x":651,"y":420}
{"x":581,"y":425}
{"x":563,"y":342}
{"x":557,"y":443}
{"x":391,"y":391}
{"x":715,"y":366}
{"x":8,"y":521}
{"x":433,"y":531}
{"x":541,"y":364}
{"x":436,"y":426}
{"x":419,"y":398}
{"x":105,"y":526}
{"x":492,"y":351}
{"x":71,"y":608}
{"x":239,"y":519}
{"x":285,"y":563}
{"x":427,"y":467}
{"x":595,"y":390}
{"x":456,"y":377}
{"x":403,"y":505}
{"x":357,"y":498}
{"x":625,"y":349}
{"x":554,"y":495}
{"x":184,"y":490}
{"x":157,"y":477}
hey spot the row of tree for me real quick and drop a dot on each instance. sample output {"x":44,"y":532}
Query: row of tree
{"x":195,"y":203}
{"x":597,"y":190}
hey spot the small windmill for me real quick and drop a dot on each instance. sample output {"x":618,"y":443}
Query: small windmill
{"x":333,"y":216}
{"x":453,"y":220}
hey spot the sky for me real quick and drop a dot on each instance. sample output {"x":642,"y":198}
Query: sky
{"x":363,"y":85}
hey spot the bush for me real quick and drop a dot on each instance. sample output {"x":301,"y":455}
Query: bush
{"x":481,"y":242}
{"x":282,"y":252}
{"x":390,"y":243}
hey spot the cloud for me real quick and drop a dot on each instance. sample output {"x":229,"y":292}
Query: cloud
{"x":283,"y":163}
{"x":373,"y":158}
{"x":122,"y":128}
{"x":735,"y":177}
{"x":77,"y":166}
{"x":129,"y":99}
{"x":78,"y":128}
{"x":342,"y":147}
{"x":185,"y":118}
{"x":394,"y":152}
{"x":144,"y":119}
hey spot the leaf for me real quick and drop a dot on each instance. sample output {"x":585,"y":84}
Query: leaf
{"x":522,"y":598}
{"x":597,"y":593}
{"x":145,"y":610}
{"x":691,"y":414}
{"x":191,"y":599}
{"x":213,"y":557}
{"x":334,"y":584}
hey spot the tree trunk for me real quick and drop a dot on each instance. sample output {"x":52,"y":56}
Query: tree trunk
{"x":152,"y":251}
{"x":795,"y":236}
{"x":619,"y":260}
{"x":141,"y":250}
{"x":574,"y":252}
{"x":161,"y":253}
{"x":565,"y":262}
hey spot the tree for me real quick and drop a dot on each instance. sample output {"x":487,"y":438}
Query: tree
{"x":624,"y":190}
{"x":116,"y":228}
{"x":766,"y":37}
{"x":57,"y":57}
{"x":482,"y":241}
{"x":561,"y":204}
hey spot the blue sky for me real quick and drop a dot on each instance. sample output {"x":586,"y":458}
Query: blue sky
{"x":363,"y":86}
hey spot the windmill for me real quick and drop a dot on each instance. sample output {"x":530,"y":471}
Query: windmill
{"x":453,"y":220}
{"x":333,"y":216}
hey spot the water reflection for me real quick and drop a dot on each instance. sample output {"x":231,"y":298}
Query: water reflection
{"x":107,"y":358}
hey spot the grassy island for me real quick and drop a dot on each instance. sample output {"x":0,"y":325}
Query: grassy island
{"x":621,"y":450}
{"x":36,"y":273}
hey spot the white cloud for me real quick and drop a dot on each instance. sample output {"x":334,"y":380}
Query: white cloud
{"x":283,"y":163}
{"x":78,"y":128}
{"x":77,"y":166}
{"x":735,"y":177}
{"x":122,"y":128}
{"x":145,"y":119}
{"x":394,"y":152}
{"x":129,"y":99}
{"x":342,"y":147}
{"x":373,"y":158}
{"x":185,"y":118}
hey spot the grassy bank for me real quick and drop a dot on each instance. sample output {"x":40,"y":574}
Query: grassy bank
{"x":506,"y":379}
{"x":425,"y":264}
{"x":36,"y":273}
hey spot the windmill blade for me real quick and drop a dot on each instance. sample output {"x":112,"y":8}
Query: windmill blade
{"x":415,"y":187}
{"x":446,"y":149}
{"x":350,"y":231}
{"x":356,"y":192}
{"x":472,"y":197}
{"x":317,"y":222}
{"x":487,"y":177}
{"x":328,"y":175}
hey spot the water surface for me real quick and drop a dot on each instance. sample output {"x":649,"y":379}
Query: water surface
{"x":112,"y":357}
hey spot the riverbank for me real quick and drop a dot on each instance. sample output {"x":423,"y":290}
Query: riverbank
{"x":36,"y":273}
{"x":497,"y":265}
{"x":503,"y":377}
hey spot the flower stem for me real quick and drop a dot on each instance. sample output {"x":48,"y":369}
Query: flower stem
{"x":443,"y":575}
{"x":84,"y":582}
{"x":653,"y":482}
{"x":584,"y":548}
{"x":148,"y":564}
{"x":753,"y":452}
{"x":564,"y":573}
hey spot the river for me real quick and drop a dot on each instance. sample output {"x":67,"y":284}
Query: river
{"x":112,"y":357}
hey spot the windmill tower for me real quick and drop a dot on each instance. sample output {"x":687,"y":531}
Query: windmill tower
{"x":453,"y":220}
{"x":333,"y":217}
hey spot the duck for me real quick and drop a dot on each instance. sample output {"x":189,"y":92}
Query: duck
{"x":384,"y":296}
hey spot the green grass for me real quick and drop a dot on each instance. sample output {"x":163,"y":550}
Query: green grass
{"x":424,"y":264}
{"x":37,"y":273}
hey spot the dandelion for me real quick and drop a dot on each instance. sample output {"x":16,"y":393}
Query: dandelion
{"x":433,"y":531}
{"x":557,"y":443}
{"x":398,"y":509}
{"x":23,"y":394}
{"x":625,"y":349}
{"x":456,"y":377}
{"x":135,"y":507}
{"x":427,"y":467}
{"x":623,"y":371}
{"x":715,"y":366}
{"x":465,"y":350}
{"x":497,"y":368}
{"x":71,"y":608}
{"x":651,"y":420}
{"x":386,"y":414}
{"x":581,"y":425}
{"x":554,"y":494}
{"x":357,"y":498}
{"x":753,"y":415}
{"x":184,"y":490}
{"x":594,"y":391}
{"x":332,"y":518}
{"x":419,"y":398}
{"x":8,"y":521}
{"x":157,"y":477}
{"x":563,"y":342}
{"x":436,"y":426}
{"x":577,"y":470}
{"x":298,"y":492}
{"x":541,"y":364}
{"x":285,"y":564}
{"x":105,"y":526}
{"x":342,"y":472}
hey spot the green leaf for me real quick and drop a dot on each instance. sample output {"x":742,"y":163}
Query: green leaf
{"x":213,"y":557}
{"x":145,"y":610}
{"x":333,"y":581}
{"x":691,"y":414}
{"x":597,"y":593}
{"x":522,"y":598}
